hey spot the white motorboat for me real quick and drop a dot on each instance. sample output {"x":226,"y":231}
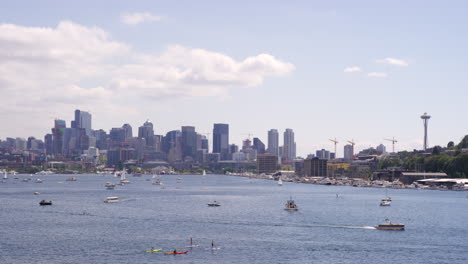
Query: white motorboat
{"x":109,"y":186}
{"x":385,"y":203}
{"x":112,"y":199}
{"x":38,"y":180}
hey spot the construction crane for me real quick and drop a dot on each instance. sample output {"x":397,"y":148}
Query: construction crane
{"x":393,"y":140}
{"x":352,"y":142}
{"x":335,"y":142}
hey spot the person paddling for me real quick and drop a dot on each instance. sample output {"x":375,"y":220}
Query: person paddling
{"x":175,"y":251}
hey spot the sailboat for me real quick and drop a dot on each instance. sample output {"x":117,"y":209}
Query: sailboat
{"x":123,"y":179}
{"x":280,"y":182}
{"x":204,"y":173}
{"x":5,"y":175}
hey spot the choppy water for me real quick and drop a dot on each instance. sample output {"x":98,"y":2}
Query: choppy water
{"x":250,"y":226}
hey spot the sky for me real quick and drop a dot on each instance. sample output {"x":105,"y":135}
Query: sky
{"x":350,"y":70}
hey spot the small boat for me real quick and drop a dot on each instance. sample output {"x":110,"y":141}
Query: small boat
{"x":39,"y":180}
{"x":111,"y":199}
{"x":153,"y":250}
{"x":45,"y":202}
{"x":204,"y":173}
{"x":71,"y":179}
{"x":37,"y":193}
{"x":290,"y":205}
{"x":390,"y":226}
{"x":176,"y":252}
{"x":215,"y":203}
{"x":109,"y":186}
{"x":5,"y":175}
{"x":280,"y":182}
{"x":385,"y":203}
{"x":156,"y":183}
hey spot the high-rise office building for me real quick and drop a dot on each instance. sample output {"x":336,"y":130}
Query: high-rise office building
{"x":323,"y":154}
{"x":267,"y":163}
{"x":117,"y":136}
{"x":128,"y":130}
{"x":273,"y":142}
{"x":48,"y":142}
{"x":258,"y":146}
{"x":189,"y":143}
{"x":289,"y":146}
{"x":57,"y":136}
{"x":82,"y":120}
{"x":146,"y":131}
{"x":221,"y":140}
{"x":315,"y":167}
{"x":348,"y":152}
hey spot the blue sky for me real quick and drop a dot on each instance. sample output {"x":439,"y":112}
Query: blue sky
{"x":415,"y":52}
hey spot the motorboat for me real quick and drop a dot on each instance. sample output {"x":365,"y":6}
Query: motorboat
{"x":290,"y":205}
{"x":45,"y":202}
{"x":112,"y":199}
{"x":157,"y":182}
{"x":37,"y":193}
{"x":109,"y":186}
{"x":385,"y":203}
{"x":39,"y":180}
{"x":71,"y":179}
{"x":390,"y":226}
{"x":215,"y":203}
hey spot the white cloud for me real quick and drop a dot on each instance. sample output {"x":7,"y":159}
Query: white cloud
{"x":73,"y":66}
{"x":377,"y":74}
{"x":137,"y":18}
{"x":352,"y":69}
{"x":393,"y":61}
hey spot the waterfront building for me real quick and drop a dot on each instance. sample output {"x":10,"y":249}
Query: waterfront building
{"x":258,"y":146}
{"x":315,"y":167}
{"x":273,"y":142}
{"x":212,"y":157}
{"x":267,"y":163}
{"x":298,"y":166}
{"x":239,"y":156}
{"x":221,"y":140}
{"x":348,"y":152}
{"x":289,"y":145}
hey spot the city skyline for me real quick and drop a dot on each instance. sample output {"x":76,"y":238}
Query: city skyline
{"x":327,"y":63}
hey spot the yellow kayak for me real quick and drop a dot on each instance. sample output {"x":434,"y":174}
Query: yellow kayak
{"x":153,"y":250}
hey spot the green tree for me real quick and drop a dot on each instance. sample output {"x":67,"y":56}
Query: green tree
{"x":450,"y":144}
{"x":463,"y":143}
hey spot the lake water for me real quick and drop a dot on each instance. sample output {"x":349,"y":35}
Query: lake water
{"x":251,"y":226}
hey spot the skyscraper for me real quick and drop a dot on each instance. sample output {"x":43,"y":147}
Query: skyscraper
{"x":57,"y":136}
{"x":258,"y":146}
{"x":189,"y":143}
{"x":82,"y":120}
{"x":289,"y":145}
{"x":147,"y":132}
{"x":348,"y":152}
{"x":273,"y":142}
{"x":128,"y":130}
{"x":221,"y":140}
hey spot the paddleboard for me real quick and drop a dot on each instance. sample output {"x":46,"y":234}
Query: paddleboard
{"x":154,"y":250}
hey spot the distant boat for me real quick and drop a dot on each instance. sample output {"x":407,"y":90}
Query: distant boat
{"x":39,"y":180}
{"x":280,"y":182}
{"x":290,"y":205}
{"x":109,"y":186}
{"x":153,"y":250}
{"x":214,"y":204}
{"x":390,"y":226}
{"x":37,"y":193}
{"x":157,"y":182}
{"x":71,"y":179}
{"x":111,"y":199}
{"x":123,"y":178}
{"x":45,"y":202}
{"x":385,"y":203}
{"x":5,"y":175}
{"x":204,"y":173}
